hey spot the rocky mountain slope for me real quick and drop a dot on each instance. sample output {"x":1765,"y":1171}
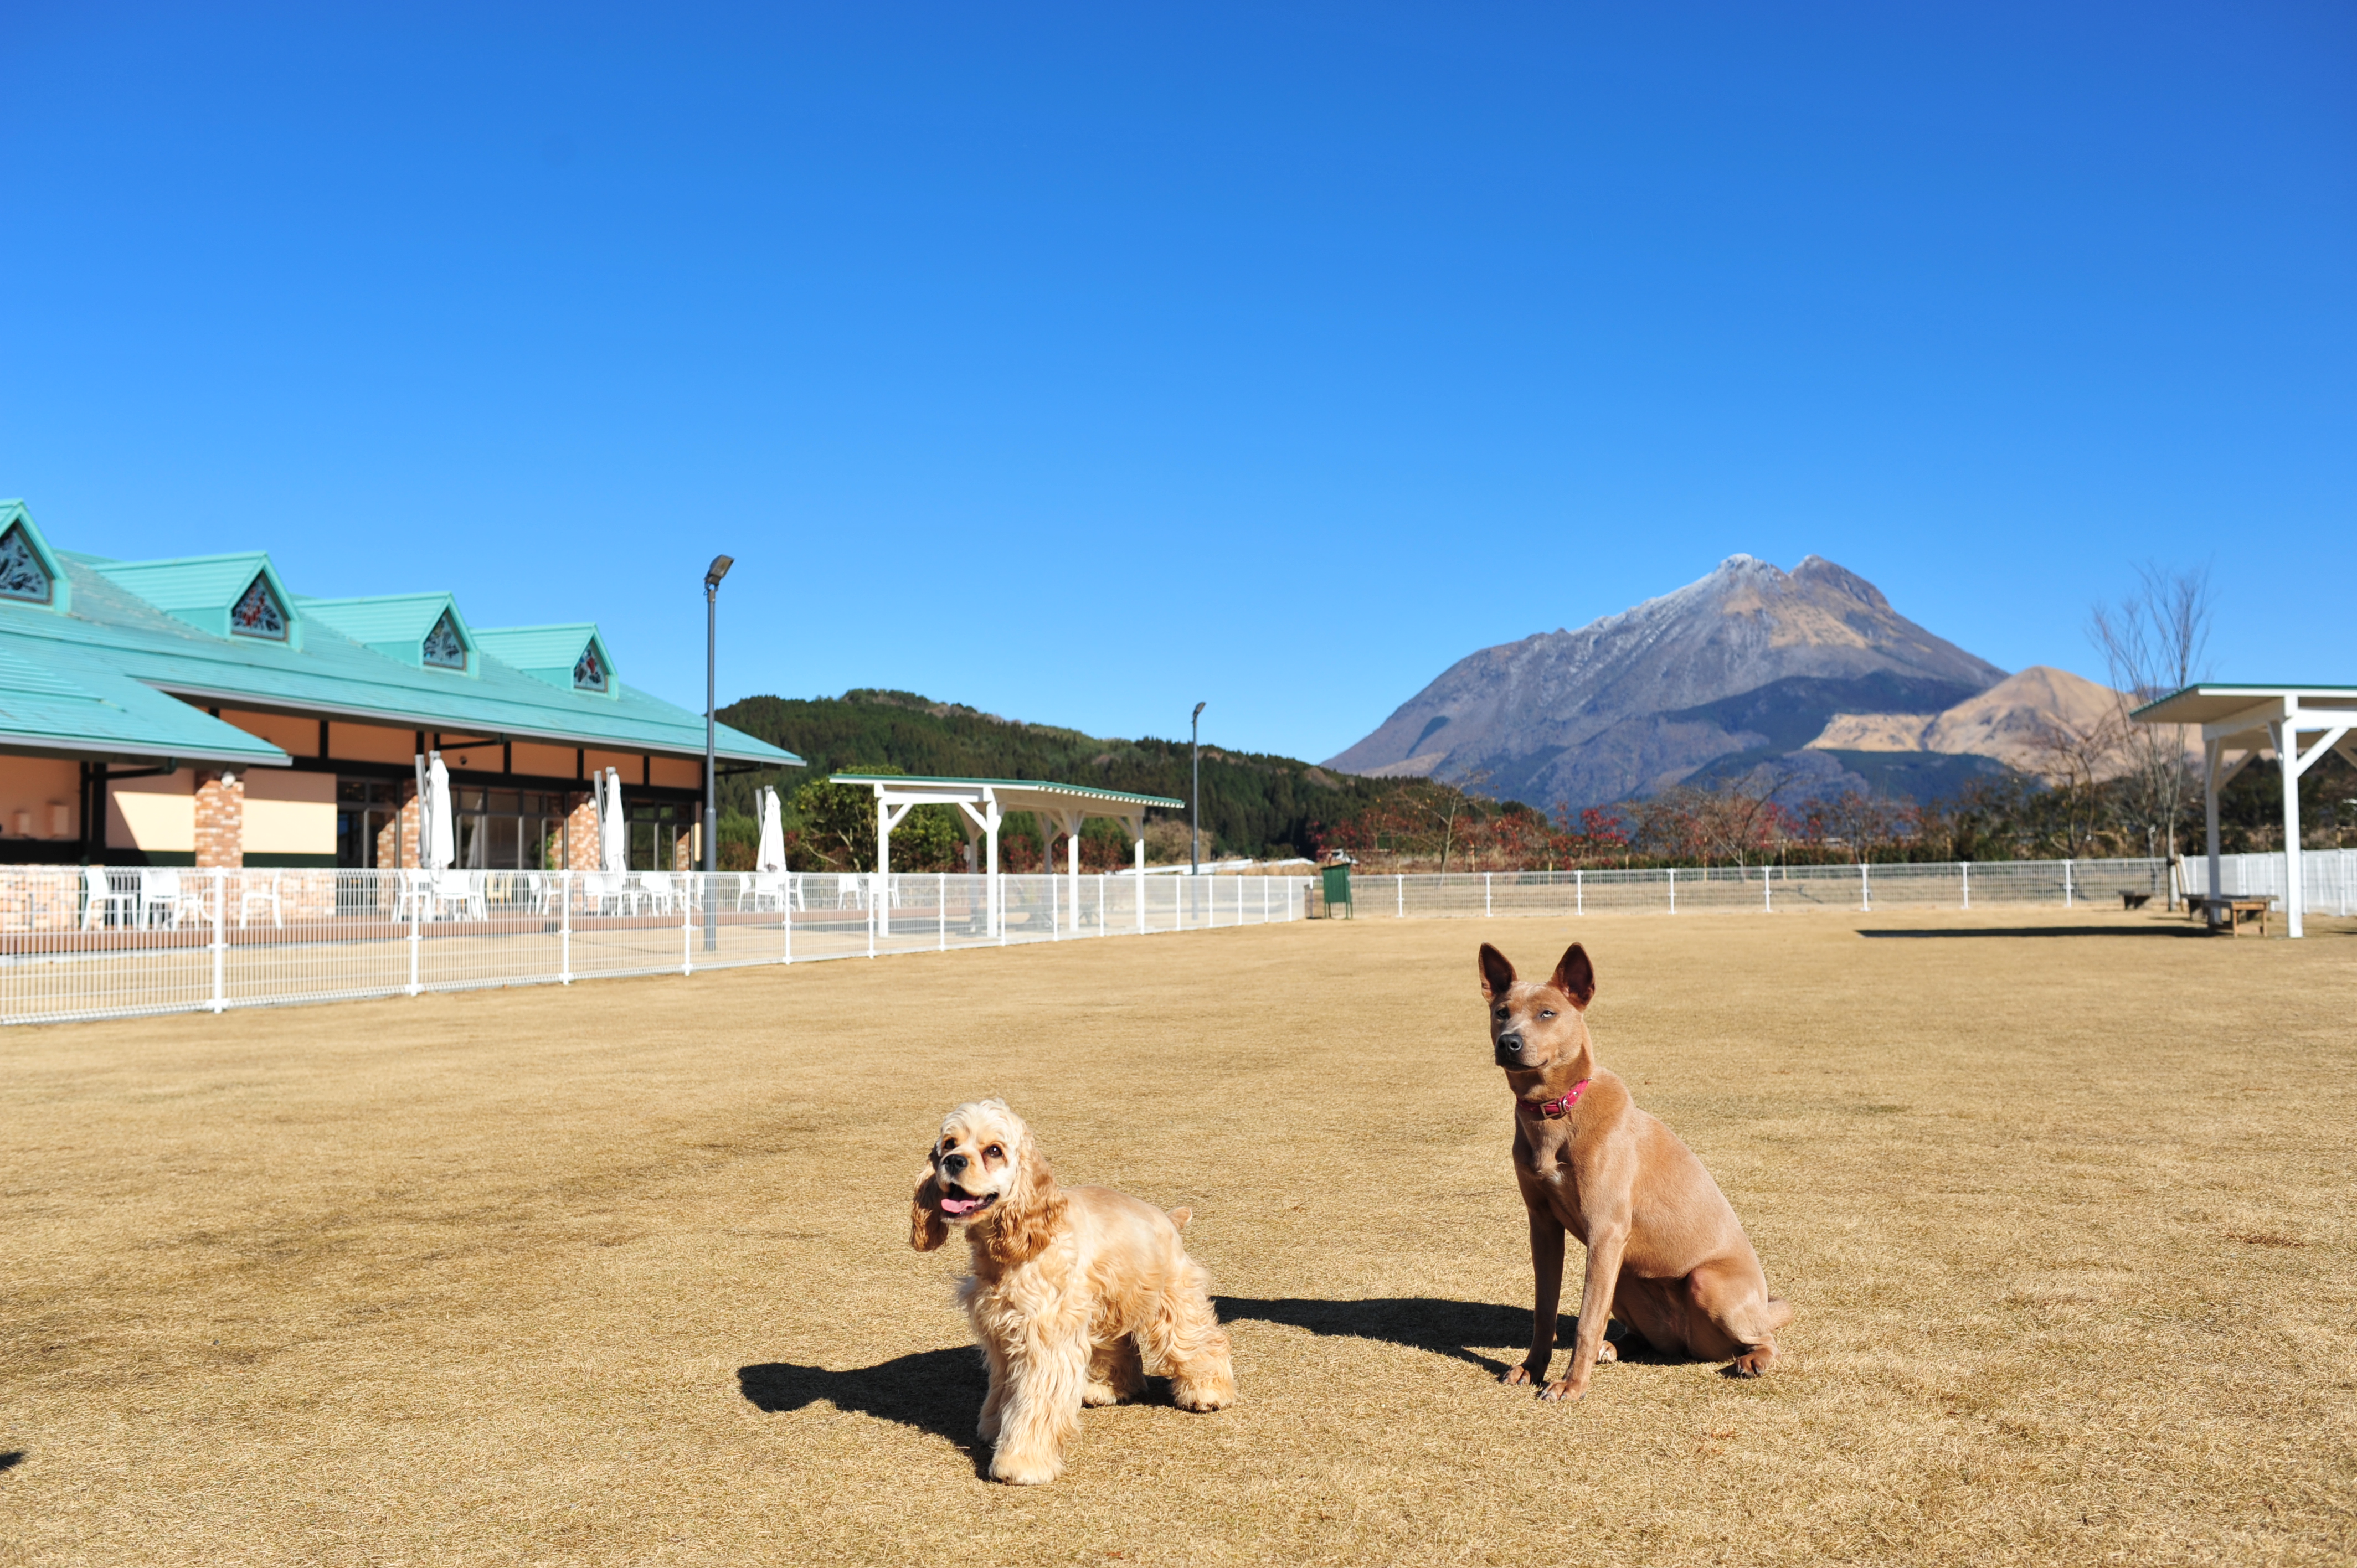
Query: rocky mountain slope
{"x":2007,"y":722}
{"x":1747,"y":665}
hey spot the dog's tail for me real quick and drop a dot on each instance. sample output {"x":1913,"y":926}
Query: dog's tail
{"x":1780,"y":1313}
{"x":1179,"y":1217}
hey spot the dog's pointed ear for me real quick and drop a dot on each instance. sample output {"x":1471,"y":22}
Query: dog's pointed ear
{"x":927,"y":1229}
{"x":1576,"y":977}
{"x":1497,"y":974}
{"x":1021,"y":1227}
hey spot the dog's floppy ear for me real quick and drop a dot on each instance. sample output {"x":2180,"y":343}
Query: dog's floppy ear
{"x":1576,"y":977}
{"x":1022,"y":1227}
{"x":1497,"y":974}
{"x":927,"y":1229}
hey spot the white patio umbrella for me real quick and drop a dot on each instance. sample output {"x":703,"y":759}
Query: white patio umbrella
{"x":773,"y":856}
{"x":613,"y":838}
{"x":440,"y":837}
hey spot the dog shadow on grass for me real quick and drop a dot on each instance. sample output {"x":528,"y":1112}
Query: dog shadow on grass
{"x":1460,"y":1329}
{"x":939,"y":1391}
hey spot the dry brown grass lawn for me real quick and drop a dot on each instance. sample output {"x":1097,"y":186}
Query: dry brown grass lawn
{"x":620,"y":1273}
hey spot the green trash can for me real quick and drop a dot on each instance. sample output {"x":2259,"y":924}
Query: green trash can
{"x":1338,"y":892}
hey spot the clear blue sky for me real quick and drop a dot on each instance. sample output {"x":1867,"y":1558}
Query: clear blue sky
{"x":1079,"y":363}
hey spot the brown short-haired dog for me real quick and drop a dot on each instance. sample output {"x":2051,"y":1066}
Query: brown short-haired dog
{"x":1077,"y":1292}
{"x":1665,"y":1253}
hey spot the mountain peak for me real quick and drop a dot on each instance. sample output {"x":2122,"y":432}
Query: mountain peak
{"x":1624,"y":705}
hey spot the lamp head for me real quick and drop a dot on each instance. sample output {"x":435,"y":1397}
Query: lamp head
{"x":1199,"y":709}
{"x":720,"y":565}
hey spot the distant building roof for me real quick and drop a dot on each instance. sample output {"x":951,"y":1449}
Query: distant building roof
{"x":117,"y":634}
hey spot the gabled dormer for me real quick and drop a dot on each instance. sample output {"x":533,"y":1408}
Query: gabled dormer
{"x":235,"y":597}
{"x":425,"y":631}
{"x":29,"y":571}
{"x":571,"y":656}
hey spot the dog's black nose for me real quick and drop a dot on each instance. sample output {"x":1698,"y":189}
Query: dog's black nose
{"x":1511,"y":1042}
{"x":954,"y":1163}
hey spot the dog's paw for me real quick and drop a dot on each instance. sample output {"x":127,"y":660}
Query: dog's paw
{"x":1606,"y":1351}
{"x":1562,"y":1388}
{"x":1515,"y":1377}
{"x":1203,"y":1396}
{"x":1752,"y":1363}
{"x":1023,"y":1472}
{"x":1096,"y":1396}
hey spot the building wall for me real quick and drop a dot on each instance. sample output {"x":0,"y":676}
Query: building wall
{"x":295,"y":737}
{"x":290,"y":813}
{"x":371,"y":743}
{"x":33,"y":791}
{"x":678,"y":773}
{"x":535,"y":760}
{"x":157,"y":815}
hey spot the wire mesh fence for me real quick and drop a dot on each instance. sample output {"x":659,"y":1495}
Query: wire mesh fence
{"x":1955,"y":885}
{"x":80,"y":942}
{"x":2328,"y":879}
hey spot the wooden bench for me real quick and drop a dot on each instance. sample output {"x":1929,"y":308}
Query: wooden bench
{"x":2198,"y":906}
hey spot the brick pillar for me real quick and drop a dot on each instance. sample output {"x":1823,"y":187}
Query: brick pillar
{"x":683,"y":848}
{"x":581,"y":836}
{"x":220,"y":820}
{"x":408,"y":822}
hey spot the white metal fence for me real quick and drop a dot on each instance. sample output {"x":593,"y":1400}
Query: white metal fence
{"x":99,"y":942}
{"x":1955,"y":885}
{"x":2328,"y":879}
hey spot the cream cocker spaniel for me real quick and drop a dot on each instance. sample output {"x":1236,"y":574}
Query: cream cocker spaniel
{"x":1077,"y":1293}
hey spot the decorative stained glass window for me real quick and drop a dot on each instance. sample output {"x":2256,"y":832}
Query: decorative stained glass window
{"x":258,"y":614}
{"x":443,"y":648}
{"x":589,"y":670}
{"x":21,"y":576}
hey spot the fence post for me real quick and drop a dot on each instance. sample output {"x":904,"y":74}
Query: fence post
{"x":875,"y":891}
{"x":2066,"y":885}
{"x":1964,"y":868}
{"x":1579,"y":890}
{"x":1767,"y":890}
{"x":1865,"y":888}
{"x":1674,"y":890}
{"x":221,"y":933}
{"x":943,"y":899}
{"x":565,"y":928}
{"x":789,"y":902}
{"x":1485,"y":894}
{"x":417,"y":897}
{"x":686,"y":929}
{"x":1400,"y":881}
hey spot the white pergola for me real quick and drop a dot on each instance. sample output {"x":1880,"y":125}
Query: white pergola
{"x":2237,"y":723}
{"x":983,"y":805}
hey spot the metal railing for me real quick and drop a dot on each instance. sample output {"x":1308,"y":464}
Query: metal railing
{"x":79,"y":943}
{"x":2328,"y":879}
{"x":1953,"y":885}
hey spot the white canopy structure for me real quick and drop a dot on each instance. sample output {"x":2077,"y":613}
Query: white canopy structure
{"x":983,"y":805}
{"x":2237,"y":723}
{"x":771,"y":855}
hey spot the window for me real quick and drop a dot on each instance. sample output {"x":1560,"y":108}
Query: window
{"x":258,"y":613}
{"x":21,"y":576}
{"x":444,"y":650}
{"x":589,"y":670}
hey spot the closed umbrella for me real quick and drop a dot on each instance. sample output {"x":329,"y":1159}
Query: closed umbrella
{"x":614,"y":842}
{"x":774,"y":833}
{"x":441,"y":842}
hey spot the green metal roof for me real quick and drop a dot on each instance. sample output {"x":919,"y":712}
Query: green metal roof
{"x":120,"y":649}
{"x":549,"y":653}
{"x":393,"y":624}
{"x":62,"y":701}
{"x":1089,"y":791}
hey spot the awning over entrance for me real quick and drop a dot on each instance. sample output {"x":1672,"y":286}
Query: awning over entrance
{"x":2237,"y":723}
{"x":983,"y":804}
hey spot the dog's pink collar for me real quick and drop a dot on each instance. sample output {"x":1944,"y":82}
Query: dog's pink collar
{"x":1553,"y":1108}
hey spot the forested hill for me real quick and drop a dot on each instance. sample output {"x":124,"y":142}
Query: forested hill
{"x":1252,"y":804}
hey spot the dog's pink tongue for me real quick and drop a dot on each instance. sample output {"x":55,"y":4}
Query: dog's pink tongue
{"x":960,"y":1205}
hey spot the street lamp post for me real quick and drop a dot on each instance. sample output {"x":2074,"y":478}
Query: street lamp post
{"x":1195,"y":799}
{"x":719,"y":569}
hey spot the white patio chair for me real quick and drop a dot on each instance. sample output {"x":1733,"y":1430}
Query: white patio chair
{"x":849,"y":893}
{"x":659,"y":891}
{"x":101,"y":898}
{"x":259,"y":890}
{"x":770,"y":890}
{"x":459,"y":893}
{"x":159,"y":897}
